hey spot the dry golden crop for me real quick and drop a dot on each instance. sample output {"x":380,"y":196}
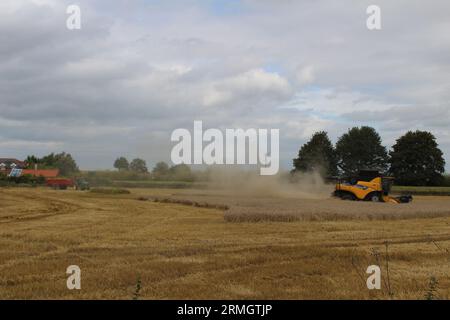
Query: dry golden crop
{"x":334,"y":209}
{"x":254,"y":208}
{"x":183,"y":251}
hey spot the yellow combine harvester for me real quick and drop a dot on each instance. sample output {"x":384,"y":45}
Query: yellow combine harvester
{"x":369,"y":185}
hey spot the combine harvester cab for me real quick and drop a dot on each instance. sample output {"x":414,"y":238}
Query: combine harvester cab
{"x":369,"y":185}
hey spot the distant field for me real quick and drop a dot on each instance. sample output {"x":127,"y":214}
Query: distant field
{"x":434,"y":191}
{"x":189,"y":252}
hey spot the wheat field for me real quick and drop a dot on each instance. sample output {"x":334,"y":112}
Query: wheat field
{"x":178,"y":251}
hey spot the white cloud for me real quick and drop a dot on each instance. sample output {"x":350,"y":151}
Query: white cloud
{"x":253,"y":83}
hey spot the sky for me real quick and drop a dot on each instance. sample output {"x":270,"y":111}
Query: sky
{"x":137,"y":70}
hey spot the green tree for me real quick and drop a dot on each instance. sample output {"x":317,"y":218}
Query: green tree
{"x":48,"y":160}
{"x":138,"y":165}
{"x":121,"y":164}
{"x":160,"y":171}
{"x":181,"y":172}
{"x":62,"y":161}
{"x":31,"y":160}
{"x":66,"y":164}
{"x":417,"y":160}
{"x":361,"y":148}
{"x":317,"y":155}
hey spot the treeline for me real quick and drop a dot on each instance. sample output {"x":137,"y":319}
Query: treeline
{"x":137,"y":169}
{"x":414,"y":160}
{"x":63,"y":161}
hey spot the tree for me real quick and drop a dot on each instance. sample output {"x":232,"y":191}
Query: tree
{"x":360,"y":148}
{"x":48,"y":160}
{"x":66,"y":164}
{"x":62,"y":161}
{"x":138,"y":165}
{"x":160,"y":171}
{"x":417,"y":160}
{"x":121,"y":164}
{"x":31,"y":160}
{"x":317,"y":155}
{"x":181,"y":172}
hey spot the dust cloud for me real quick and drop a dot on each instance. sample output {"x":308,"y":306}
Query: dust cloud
{"x":284,"y":185}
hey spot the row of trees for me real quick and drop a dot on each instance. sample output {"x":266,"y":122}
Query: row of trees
{"x":179,"y":172}
{"x":136,"y":165}
{"x":161,"y":171}
{"x":415,"y":159}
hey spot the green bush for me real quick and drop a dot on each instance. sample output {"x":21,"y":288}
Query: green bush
{"x":446,"y":182}
{"x":104,"y":175}
{"x":158,"y":184}
{"x":25,"y":180}
{"x":177,"y":177}
{"x":105,"y":178}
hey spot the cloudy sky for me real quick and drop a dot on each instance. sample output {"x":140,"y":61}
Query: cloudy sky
{"x":137,"y":70}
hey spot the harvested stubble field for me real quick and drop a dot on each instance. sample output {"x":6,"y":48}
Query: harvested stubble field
{"x":187,"y":251}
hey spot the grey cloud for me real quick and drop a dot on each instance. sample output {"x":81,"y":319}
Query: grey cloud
{"x":138,"y":70}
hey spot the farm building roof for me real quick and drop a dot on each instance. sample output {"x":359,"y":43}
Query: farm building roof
{"x":7,"y":162}
{"x":46,"y":173}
